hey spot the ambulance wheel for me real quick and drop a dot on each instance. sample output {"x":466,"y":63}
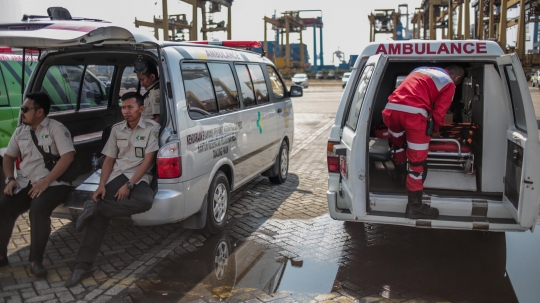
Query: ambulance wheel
{"x":283,"y":165}
{"x":218,"y":203}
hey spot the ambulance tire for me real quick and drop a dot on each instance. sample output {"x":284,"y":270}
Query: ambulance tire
{"x":218,"y":200}
{"x":282,"y":164}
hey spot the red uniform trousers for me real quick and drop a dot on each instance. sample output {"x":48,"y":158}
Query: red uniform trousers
{"x":411,"y":129}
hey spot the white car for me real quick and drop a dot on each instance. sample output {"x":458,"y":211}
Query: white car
{"x":217,"y":133}
{"x":345,"y":79}
{"x":300,"y":80}
{"x":483,"y":172}
{"x":319,"y":75}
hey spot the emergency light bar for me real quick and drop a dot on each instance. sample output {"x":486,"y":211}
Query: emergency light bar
{"x":231,"y":43}
{"x":5,"y":49}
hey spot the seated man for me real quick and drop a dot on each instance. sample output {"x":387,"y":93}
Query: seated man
{"x":35,"y":188}
{"x":124,"y":187}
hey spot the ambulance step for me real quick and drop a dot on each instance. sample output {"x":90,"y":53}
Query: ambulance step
{"x":448,"y":206}
{"x":446,"y":222}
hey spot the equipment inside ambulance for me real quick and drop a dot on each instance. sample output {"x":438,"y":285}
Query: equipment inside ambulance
{"x":481,"y":169}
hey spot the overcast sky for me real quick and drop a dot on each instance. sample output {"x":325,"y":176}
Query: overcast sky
{"x":345,"y":21}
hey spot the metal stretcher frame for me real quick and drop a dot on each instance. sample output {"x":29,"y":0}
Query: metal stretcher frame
{"x":464,"y":160}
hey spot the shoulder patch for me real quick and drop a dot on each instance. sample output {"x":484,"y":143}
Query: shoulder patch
{"x":156,"y":99}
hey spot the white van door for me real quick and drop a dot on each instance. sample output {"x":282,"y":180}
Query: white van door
{"x":522,"y":167}
{"x":355,"y":135}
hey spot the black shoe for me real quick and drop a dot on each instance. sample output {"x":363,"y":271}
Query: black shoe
{"x":86,"y":216}
{"x":4,"y":261}
{"x":421,"y":211}
{"x":400,"y":174}
{"x":38,"y":270}
{"x":76,"y":277}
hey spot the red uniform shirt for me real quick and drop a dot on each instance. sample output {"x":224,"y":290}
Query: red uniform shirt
{"x":423,"y":87}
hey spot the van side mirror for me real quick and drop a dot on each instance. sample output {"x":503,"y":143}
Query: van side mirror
{"x":296,"y":91}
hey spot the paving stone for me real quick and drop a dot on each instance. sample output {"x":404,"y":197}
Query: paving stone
{"x":40,"y":298}
{"x":65,"y":297}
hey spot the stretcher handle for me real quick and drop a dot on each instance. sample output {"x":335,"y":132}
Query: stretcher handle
{"x":450,"y":140}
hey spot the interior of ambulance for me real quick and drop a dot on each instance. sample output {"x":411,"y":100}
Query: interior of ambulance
{"x":461,"y":163}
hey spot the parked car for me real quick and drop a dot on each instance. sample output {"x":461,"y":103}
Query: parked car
{"x":345,"y":79}
{"x":534,"y":79}
{"x":331,"y":75}
{"x":319,"y":75}
{"x":130,"y":82}
{"x":300,"y":80}
{"x":217,"y":133}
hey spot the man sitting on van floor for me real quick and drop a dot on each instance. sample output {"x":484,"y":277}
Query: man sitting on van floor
{"x":425,"y":90}
{"x":124,"y":187}
{"x":150,"y":80}
{"x":35,"y":187}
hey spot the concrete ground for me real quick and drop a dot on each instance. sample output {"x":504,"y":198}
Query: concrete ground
{"x":280,"y":245}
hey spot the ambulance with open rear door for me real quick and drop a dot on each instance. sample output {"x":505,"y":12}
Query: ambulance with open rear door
{"x":483,"y":170}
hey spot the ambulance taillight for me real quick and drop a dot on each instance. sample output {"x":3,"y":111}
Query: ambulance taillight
{"x":331,"y":158}
{"x":169,"y":162}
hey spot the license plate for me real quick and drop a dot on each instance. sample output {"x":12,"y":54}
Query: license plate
{"x":343,"y":166}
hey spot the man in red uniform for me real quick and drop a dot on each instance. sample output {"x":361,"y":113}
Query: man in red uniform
{"x":425,"y":91}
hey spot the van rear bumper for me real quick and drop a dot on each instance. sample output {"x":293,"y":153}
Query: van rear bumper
{"x":168,"y":206}
{"x":336,"y":213}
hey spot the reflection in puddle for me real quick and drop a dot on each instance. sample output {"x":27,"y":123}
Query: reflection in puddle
{"x":332,"y":259}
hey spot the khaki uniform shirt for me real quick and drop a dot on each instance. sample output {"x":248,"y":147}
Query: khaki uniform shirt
{"x":151,"y":102}
{"x":52,"y":136}
{"x":128,"y":146}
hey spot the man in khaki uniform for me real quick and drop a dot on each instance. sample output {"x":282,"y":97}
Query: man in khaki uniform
{"x":150,"y":80}
{"x":35,"y":187}
{"x":124,"y":187}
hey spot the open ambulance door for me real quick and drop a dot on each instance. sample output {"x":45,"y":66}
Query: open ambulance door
{"x":355,"y":136}
{"x":522,"y":167}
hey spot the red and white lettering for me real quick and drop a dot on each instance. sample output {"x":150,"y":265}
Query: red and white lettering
{"x":468,"y":48}
{"x":394,"y":49}
{"x":407,"y":48}
{"x":481,"y":48}
{"x":381,"y":50}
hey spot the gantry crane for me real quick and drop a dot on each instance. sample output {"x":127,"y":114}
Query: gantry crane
{"x":384,"y":21}
{"x":290,"y":22}
{"x":178,"y":23}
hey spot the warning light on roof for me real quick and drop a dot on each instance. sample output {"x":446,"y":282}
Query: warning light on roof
{"x":231,"y":43}
{"x":5,"y":49}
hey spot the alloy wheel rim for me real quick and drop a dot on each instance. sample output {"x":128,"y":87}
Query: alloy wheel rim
{"x":284,"y":162}
{"x":220,"y":203}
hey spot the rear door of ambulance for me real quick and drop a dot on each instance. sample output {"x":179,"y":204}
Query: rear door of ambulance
{"x":522,"y":167}
{"x":355,"y":136}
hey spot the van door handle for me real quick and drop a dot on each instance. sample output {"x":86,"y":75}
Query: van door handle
{"x":279,"y":110}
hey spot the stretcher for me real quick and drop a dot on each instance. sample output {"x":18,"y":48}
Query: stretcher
{"x":452,"y":151}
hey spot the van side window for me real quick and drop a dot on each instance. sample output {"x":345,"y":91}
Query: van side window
{"x":515,"y":95}
{"x":259,"y":84}
{"x":199,"y":91}
{"x":246,"y":86}
{"x":277,"y":86}
{"x":358,"y":99}
{"x":225,"y":86}
{"x":94,"y":91}
{"x":62,"y":82}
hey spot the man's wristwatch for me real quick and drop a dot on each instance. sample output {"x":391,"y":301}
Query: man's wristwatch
{"x":130,"y":185}
{"x":9,"y":179}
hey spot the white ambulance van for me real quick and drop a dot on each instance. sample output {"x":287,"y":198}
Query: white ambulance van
{"x":226,"y":115}
{"x":483,"y":171}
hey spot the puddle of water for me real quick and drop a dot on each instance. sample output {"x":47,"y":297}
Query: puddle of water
{"x":393,"y":262}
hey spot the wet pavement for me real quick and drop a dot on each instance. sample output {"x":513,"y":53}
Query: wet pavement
{"x":321,"y":259}
{"x":280,"y":245}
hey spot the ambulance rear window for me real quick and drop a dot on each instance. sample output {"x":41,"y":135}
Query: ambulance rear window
{"x":517,"y":102}
{"x":358,"y":99}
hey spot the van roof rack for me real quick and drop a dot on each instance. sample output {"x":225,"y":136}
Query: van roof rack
{"x":57,"y":13}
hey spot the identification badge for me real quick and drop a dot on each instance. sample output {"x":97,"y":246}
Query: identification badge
{"x":46,"y":148}
{"x":139,"y":152}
